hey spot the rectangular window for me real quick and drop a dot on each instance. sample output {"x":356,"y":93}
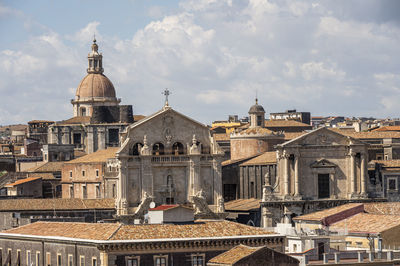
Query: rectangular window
{"x":392,"y":183}
{"x":132,"y":261}
{"x":97,"y":191}
{"x":70,"y":260}
{"x":82,"y":261}
{"x":18,"y":257}
{"x":323,"y":186}
{"x":160,"y":260}
{"x":97,"y":173}
{"x":71,"y":191}
{"x":94,"y":261}
{"x":251,"y":190}
{"x":198,"y":260}
{"x":28,"y":258}
{"x":37,"y":258}
{"x":83,"y":172}
{"x":9,"y":257}
{"x":70,"y":174}
{"x":114,"y":190}
{"x":48,"y":259}
{"x":84,"y":192}
{"x":59,"y":261}
{"x":1,"y":256}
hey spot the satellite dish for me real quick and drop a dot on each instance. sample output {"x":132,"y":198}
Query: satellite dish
{"x":152,"y":205}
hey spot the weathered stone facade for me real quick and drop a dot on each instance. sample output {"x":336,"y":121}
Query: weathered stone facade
{"x":313,"y":169}
{"x":169,"y":158}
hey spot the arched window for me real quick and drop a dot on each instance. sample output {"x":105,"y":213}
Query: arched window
{"x":83,"y":111}
{"x":158,"y":149}
{"x":177,"y":148}
{"x":135,"y":150}
{"x":170,"y":181}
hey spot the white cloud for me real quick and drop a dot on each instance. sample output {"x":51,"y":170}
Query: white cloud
{"x":313,"y":70}
{"x":214,"y":56}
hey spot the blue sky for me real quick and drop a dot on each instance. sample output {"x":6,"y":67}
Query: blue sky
{"x":327,"y":57}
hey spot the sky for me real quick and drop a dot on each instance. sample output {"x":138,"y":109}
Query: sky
{"x":337,"y":57}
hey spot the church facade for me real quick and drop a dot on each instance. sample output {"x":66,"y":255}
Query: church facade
{"x":167,"y":158}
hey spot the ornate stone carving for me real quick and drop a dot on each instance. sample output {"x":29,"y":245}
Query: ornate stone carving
{"x":221,"y":204}
{"x":267,"y":189}
{"x":194,"y":149}
{"x":145,"y":150}
{"x":168,"y":135}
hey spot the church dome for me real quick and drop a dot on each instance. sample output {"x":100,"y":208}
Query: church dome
{"x":95,"y":85}
{"x":256,"y":108}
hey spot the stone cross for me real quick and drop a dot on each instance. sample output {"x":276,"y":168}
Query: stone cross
{"x":166,"y":93}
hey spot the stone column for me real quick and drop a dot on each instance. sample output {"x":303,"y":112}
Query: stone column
{"x":90,"y":140}
{"x":101,"y":138}
{"x":194,"y":176}
{"x":267,"y":218}
{"x":122,"y":204}
{"x":286,"y":174}
{"x":352,"y":172}
{"x":147,"y":176}
{"x":363,"y":175}
{"x":296,"y":175}
{"x":217,"y":184}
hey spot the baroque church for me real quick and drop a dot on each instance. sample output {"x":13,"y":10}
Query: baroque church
{"x":165,"y":158}
{"x":98,"y":116}
{"x":169,"y":158}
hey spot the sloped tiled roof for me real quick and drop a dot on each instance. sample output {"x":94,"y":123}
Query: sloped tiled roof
{"x":292,"y":135}
{"x":98,"y":156}
{"x":368,"y":223}
{"x":285,"y":123}
{"x":22,"y":181}
{"x":47,"y":167}
{"x":242,"y":205}
{"x":234,"y":255}
{"x":369,"y":134}
{"x":389,"y":208}
{"x":388,"y":128}
{"x":228,"y":162}
{"x":55,"y":204}
{"x":76,"y":120}
{"x":104,"y":231}
{"x":91,"y":231}
{"x":268,"y":157}
{"x":199,"y":229}
{"x":320,"y":215}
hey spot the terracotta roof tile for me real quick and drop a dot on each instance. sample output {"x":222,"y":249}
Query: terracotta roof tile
{"x":368,"y":135}
{"x":92,"y":231}
{"x":235,"y":254}
{"x":47,"y":167}
{"x":75,"y":120}
{"x":40,"y":121}
{"x":268,"y":157}
{"x":368,"y":223}
{"x":103,"y":231}
{"x":22,"y":181}
{"x":98,"y":156}
{"x":44,"y":176}
{"x":388,"y":128}
{"x":55,"y":204}
{"x":228,"y":162}
{"x":292,"y":135}
{"x":198,"y":229}
{"x":285,"y":123}
{"x":320,"y":215}
{"x":242,"y":205}
{"x":389,"y":208}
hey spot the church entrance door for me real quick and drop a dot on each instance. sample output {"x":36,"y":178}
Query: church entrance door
{"x":323,"y":186}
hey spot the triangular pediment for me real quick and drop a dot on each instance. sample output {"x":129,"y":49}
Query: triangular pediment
{"x":167,"y":127}
{"x":321,"y":137}
{"x":323,"y":163}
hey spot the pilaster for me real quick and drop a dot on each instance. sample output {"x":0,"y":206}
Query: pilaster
{"x":122,"y":203}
